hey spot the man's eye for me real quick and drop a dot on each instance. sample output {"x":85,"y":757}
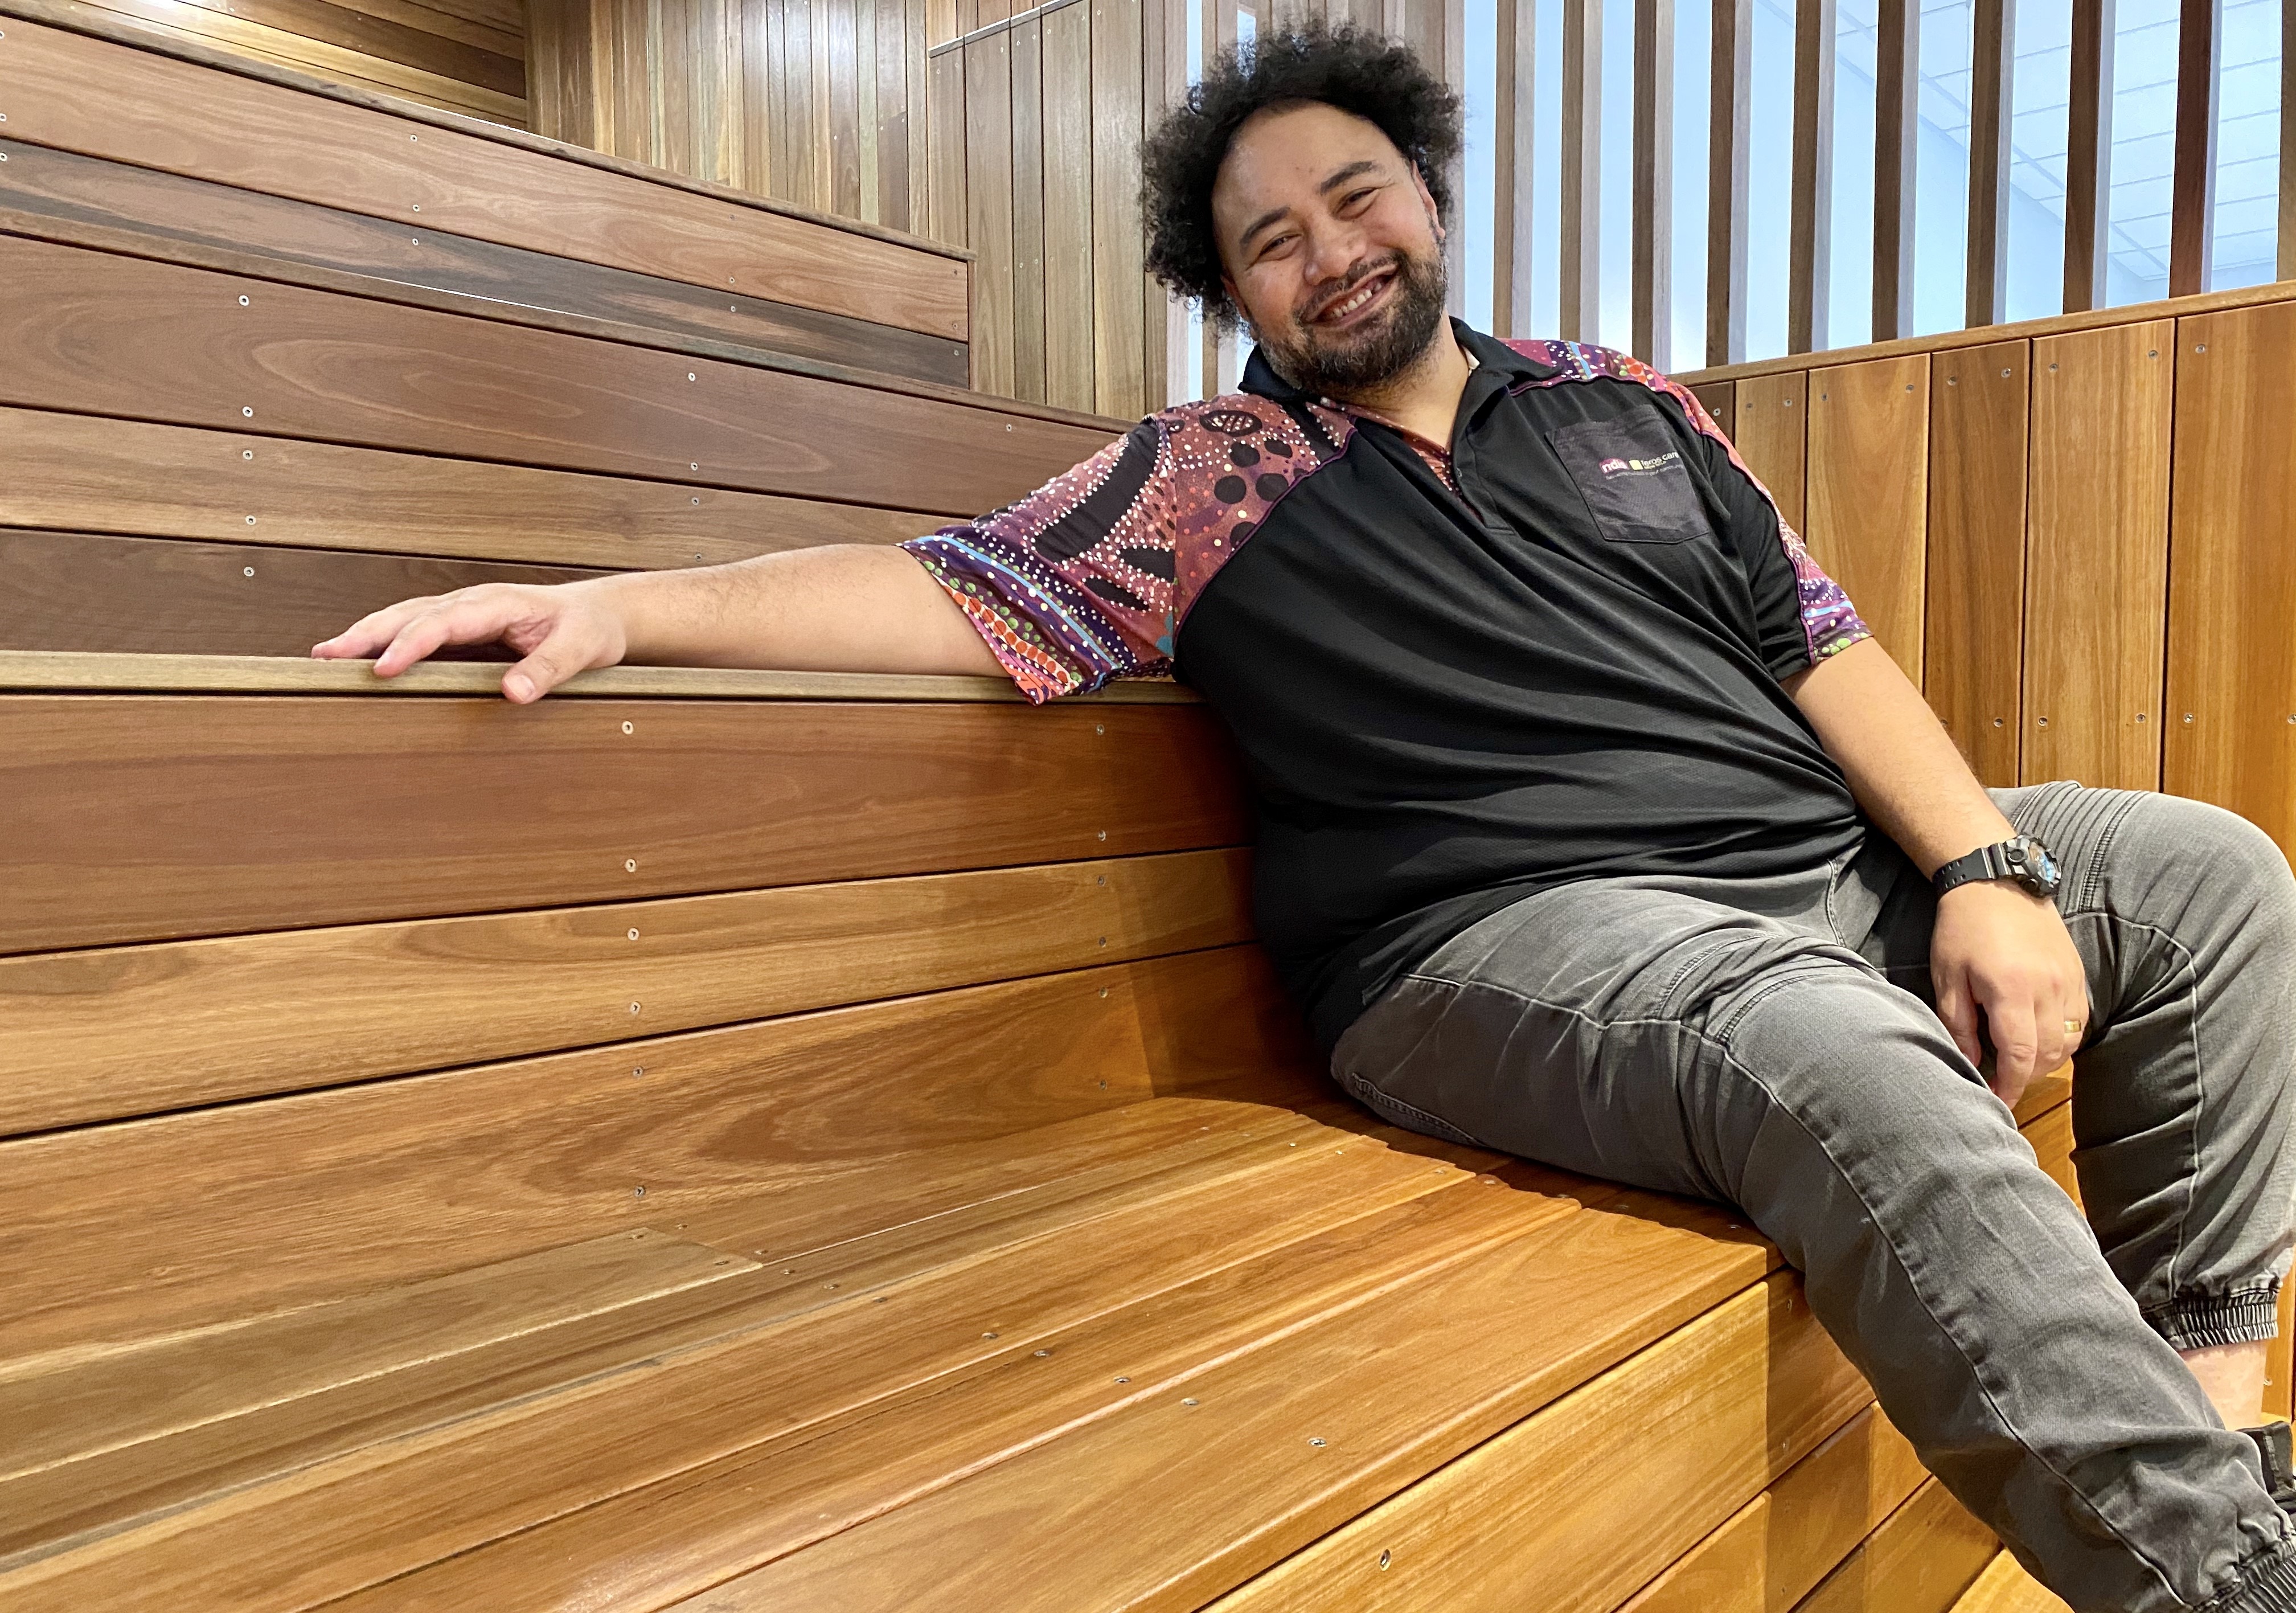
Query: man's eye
{"x":1355,"y":197}
{"x":1279,"y":244}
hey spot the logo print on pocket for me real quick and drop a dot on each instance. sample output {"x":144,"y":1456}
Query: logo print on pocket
{"x":1615,"y":466}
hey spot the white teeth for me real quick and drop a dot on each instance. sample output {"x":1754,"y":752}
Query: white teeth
{"x":1341,"y":310}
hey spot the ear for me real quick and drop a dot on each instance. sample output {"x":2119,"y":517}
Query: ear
{"x":1236,"y":301}
{"x":1427,"y":200}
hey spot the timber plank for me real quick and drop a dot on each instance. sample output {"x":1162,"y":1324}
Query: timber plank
{"x":1919,"y":1561}
{"x":1720,"y":398}
{"x":2232,"y":659}
{"x":323,"y":37}
{"x":1773,"y":437}
{"x":2051,"y":1135}
{"x":61,"y":1410}
{"x":647,"y":1546}
{"x":1395,"y":1388}
{"x":280,"y":812}
{"x":1975,"y":617}
{"x":331,"y":1526}
{"x":2005,"y":1588}
{"x":104,"y":100}
{"x":163,"y":208}
{"x":1706,"y":1417}
{"x":145,"y":595}
{"x":1868,"y":493}
{"x":787,"y":1134}
{"x":2097,"y":578}
{"x":94,"y":332}
{"x":1774,"y":1549}
{"x":100,"y":1035}
{"x":144,"y":480}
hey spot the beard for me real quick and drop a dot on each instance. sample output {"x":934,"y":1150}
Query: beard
{"x":1364,"y":360}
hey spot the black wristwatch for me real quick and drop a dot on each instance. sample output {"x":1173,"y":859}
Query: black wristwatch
{"x":2021,"y":858}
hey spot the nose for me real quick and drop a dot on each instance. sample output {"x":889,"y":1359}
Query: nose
{"x":1334,"y":246}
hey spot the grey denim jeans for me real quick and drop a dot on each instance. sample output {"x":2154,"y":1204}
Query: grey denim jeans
{"x":1772,"y":1044}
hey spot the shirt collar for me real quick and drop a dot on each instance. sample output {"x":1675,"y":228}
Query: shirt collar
{"x":1484,"y":354}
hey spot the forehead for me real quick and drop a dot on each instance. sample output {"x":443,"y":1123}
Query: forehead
{"x":1281,"y":156}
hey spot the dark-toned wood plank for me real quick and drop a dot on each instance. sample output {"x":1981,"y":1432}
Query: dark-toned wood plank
{"x":1993,"y":48}
{"x":1773,"y":437}
{"x":946,"y":103}
{"x":92,"y":333}
{"x":103,"y":1034}
{"x":1810,"y":274}
{"x":891,"y":66}
{"x":1511,"y":152}
{"x":2089,"y":159}
{"x":1897,"y":145}
{"x":789,"y":1135}
{"x":2232,"y":594}
{"x":171,"y":482}
{"x":372,"y":32}
{"x":1730,"y":103}
{"x":1720,"y":398}
{"x":1868,"y":492}
{"x":989,"y":207}
{"x":1582,"y":170}
{"x":2097,"y":558}
{"x":1975,"y":612}
{"x":100,"y":99}
{"x":1651,"y":290}
{"x":2193,"y":184}
{"x":1069,"y":366}
{"x":431,"y":803}
{"x":1921,"y":1560}
{"x":1029,"y":179}
{"x":141,"y":596}
{"x":1740,"y":1394}
{"x":1119,"y":355}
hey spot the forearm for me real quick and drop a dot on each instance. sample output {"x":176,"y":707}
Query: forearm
{"x":847,"y":607}
{"x":1902,"y":766}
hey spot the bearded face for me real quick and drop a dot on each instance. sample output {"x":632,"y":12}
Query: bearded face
{"x":1360,"y":332}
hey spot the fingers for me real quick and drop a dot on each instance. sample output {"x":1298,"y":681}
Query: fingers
{"x":564,"y":651}
{"x":361,"y":639}
{"x":1958,"y":1011}
{"x":407,"y":632}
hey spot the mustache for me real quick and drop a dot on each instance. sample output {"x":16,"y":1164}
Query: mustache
{"x":1330,"y":291}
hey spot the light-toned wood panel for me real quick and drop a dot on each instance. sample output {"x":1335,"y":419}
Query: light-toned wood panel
{"x":103,"y":99}
{"x":1069,"y":255}
{"x":2232,"y":595}
{"x":504,"y":35}
{"x":989,"y":207}
{"x":1974,"y":616}
{"x":147,"y":819}
{"x":1237,"y":1481}
{"x":1118,"y":355}
{"x":311,"y":1533}
{"x":881,"y":1114}
{"x":1773,"y":437}
{"x":645,"y":1548}
{"x":1778,"y":1546}
{"x":2277,"y":1355}
{"x":1030,"y":160}
{"x":89,"y":332}
{"x":945,"y":110}
{"x":2097,"y":557}
{"x":64,"y":1408}
{"x":378,"y":31}
{"x":2005,"y":1588}
{"x":1921,"y":1560}
{"x":1868,"y":493}
{"x":2051,"y":1135}
{"x":1708,"y":1414}
{"x":177,"y":481}
{"x":129,"y":1031}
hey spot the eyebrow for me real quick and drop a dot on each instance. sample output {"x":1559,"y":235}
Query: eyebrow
{"x":1352,"y":171}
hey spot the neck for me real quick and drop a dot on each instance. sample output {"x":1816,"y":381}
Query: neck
{"x":1424,"y":398}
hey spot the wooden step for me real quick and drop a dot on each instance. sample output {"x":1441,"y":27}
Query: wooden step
{"x":2005,"y":1588}
{"x":1919,"y":1559}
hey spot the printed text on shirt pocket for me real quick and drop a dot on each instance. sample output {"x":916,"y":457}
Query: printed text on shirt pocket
{"x":1632,"y":476}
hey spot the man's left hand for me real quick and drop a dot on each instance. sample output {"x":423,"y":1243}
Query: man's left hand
{"x":1998,"y":949}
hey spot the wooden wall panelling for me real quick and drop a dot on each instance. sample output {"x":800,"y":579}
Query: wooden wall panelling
{"x":104,"y":100}
{"x":840,"y":64}
{"x":1070,"y":360}
{"x":2088,"y":161}
{"x":1029,"y":162}
{"x":1773,"y":437}
{"x":792,"y":1134}
{"x":989,"y":207}
{"x":156,"y":213}
{"x":1809,"y":276}
{"x":2232,"y":595}
{"x":1897,"y":140}
{"x":1868,"y":477}
{"x":1117,"y":340}
{"x":1921,"y":1560}
{"x":148,"y":338}
{"x":2005,"y":1588}
{"x":142,"y":595}
{"x":1974,"y":616}
{"x":98,"y":1035}
{"x":1742,"y":1393}
{"x":892,"y":68}
{"x":1720,"y":398}
{"x":1992,"y":51}
{"x":130,"y":477}
{"x":433,"y":811}
{"x":2193,"y":181}
{"x":2097,"y":559}
{"x":945,"y":104}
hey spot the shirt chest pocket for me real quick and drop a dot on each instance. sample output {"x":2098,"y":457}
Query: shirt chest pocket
{"x":1632,"y":476}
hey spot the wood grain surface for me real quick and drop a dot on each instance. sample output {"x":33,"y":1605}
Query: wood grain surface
{"x":103,"y":1034}
{"x":2005,"y":1588}
{"x":1709,"y":1415}
{"x":1772,"y":436}
{"x":2097,"y":558}
{"x":1921,"y":1560}
{"x":145,"y":595}
{"x":105,"y":100}
{"x":1777,"y":1547}
{"x":1973,"y":619}
{"x":143,"y":818}
{"x":2232,"y":659}
{"x":1869,"y":493}
{"x":92,"y":333}
{"x":1720,"y":401}
{"x":161,"y":209}
{"x":131,"y":477}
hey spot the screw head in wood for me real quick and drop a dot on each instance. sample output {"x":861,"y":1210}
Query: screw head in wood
{"x":1042,"y":1353}
{"x":1187,"y":1403}
{"x":633,"y":1008}
{"x":629,"y":728}
{"x":693,"y":465}
{"x":630,"y":865}
{"x":418,"y":206}
{"x":1386,"y":1558}
{"x":2004,"y":375}
{"x":246,"y":570}
{"x":2200,"y":347}
{"x":243,"y":302}
{"x":640,"y":1070}
{"x":689,"y":375}
{"x":246,"y":413}
{"x":637,"y":1192}
{"x":988,"y":1336}
{"x":247,"y":453}
{"x":1998,"y":722}
{"x":251,"y":520}
{"x":697,"y":498}
{"x":1123,"y":1380}
{"x":1317,"y":1443}
{"x":2188,"y":718}
{"x":634,"y":934}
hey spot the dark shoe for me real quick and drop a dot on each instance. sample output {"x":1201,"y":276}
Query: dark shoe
{"x":2273,"y":1445}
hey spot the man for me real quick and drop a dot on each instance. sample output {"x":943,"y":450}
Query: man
{"x":1570,"y":766}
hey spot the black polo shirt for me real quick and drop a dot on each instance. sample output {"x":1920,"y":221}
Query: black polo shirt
{"x":1456,"y":674}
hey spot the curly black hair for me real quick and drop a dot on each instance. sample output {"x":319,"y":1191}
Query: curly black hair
{"x":1367,"y":74}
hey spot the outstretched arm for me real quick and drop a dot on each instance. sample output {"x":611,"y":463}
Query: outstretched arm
{"x":845,"y":607}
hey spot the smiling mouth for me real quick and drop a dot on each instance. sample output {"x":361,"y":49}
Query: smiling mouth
{"x":1354,"y":303}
